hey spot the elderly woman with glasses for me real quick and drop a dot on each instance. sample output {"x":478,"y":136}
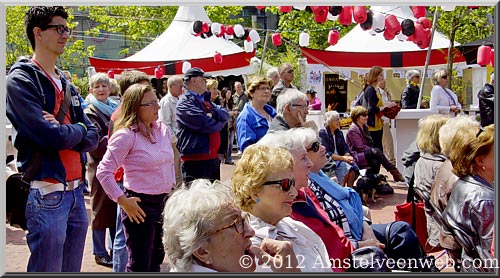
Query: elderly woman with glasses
{"x":345,"y":168}
{"x":263,"y":185}
{"x":344,"y":207}
{"x":361,"y":144}
{"x":205,"y":231}
{"x":254,"y":120}
{"x":470,"y":211}
{"x":443,"y":100}
{"x":142,"y":145}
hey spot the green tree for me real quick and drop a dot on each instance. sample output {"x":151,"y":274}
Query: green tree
{"x":17,"y":43}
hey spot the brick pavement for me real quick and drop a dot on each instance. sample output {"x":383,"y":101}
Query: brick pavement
{"x":17,"y":252}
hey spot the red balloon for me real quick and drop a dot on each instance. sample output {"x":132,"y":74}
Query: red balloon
{"x":483,"y":55}
{"x":158,"y":72}
{"x":418,"y":11}
{"x":285,"y":9}
{"x":392,"y":25}
{"x":320,"y":13}
{"x":345,"y":17}
{"x":333,"y":37}
{"x":260,"y":7}
{"x":359,"y":14}
{"x":492,"y":57}
{"x":218,"y":58}
{"x":205,"y":27}
{"x":425,"y":22}
{"x":276,"y":37}
{"x":230,"y":30}
{"x":111,"y":74}
{"x":388,"y":34}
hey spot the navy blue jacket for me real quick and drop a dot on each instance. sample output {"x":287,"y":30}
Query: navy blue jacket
{"x":340,"y":143}
{"x":29,"y":91}
{"x":195,"y":125}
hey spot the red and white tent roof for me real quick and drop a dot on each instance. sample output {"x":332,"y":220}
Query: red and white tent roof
{"x":177,"y":45}
{"x":361,"y":49}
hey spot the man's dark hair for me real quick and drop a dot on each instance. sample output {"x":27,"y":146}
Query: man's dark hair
{"x":41,"y":16}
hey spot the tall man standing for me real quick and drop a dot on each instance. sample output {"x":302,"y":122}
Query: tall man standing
{"x":286,"y":77}
{"x":199,"y":121}
{"x":53,"y":135}
{"x":168,"y":105}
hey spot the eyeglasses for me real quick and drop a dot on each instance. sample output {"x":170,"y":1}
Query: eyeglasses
{"x":151,"y":103}
{"x":285,"y":184}
{"x":480,"y":131}
{"x":363,"y":114}
{"x":304,"y":107}
{"x":264,"y":88}
{"x":238,"y":224}
{"x":289,"y":71}
{"x":60,"y":28}
{"x":314,"y":147}
{"x":444,"y":77}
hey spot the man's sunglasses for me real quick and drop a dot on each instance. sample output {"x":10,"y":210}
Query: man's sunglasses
{"x":285,"y":184}
{"x":314,"y":147}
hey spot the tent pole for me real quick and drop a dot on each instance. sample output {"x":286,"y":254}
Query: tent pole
{"x":429,"y":50}
{"x":263,"y":53}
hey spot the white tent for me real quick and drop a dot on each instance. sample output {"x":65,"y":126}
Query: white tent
{"x":359,"y":40}
{"x":177,"y":44}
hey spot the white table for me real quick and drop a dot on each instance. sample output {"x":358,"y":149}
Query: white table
{"x":405,"y":129}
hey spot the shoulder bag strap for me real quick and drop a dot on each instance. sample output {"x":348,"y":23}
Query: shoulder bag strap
{"x":63,"y":109}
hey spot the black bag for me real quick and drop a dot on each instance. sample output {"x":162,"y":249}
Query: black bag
{"x":16,"y":193}
{"x":368,"y":259}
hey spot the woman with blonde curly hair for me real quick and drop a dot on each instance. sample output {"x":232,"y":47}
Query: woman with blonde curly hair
{"x":263,"y":185}
{"x":470,"y":211}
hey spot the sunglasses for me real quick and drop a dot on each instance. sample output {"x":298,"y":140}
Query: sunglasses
{"x":289,"y":71}
{"x":285,"y":184}
{"x":314,"y":147}
{"x":363,"y":114}
{"x":444,"y":77}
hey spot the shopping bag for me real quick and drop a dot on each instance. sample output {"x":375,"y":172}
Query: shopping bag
{"x":413,"y":213}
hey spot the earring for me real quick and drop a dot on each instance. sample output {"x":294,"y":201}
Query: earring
{"x":257,"y":200}
{"x":484,"y":168}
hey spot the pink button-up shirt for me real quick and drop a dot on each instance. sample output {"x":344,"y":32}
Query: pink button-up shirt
{"x":148,"y":167}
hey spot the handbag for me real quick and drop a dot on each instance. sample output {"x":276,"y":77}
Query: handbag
{"x":413,"y":212}
{"x":391,"y":112}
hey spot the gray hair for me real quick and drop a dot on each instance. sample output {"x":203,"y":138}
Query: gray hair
{"x":272,"y":72}
{"x":294,"y":139}
{"x":450,"y":128}
{"x":172,"y":79}
{"x":329,"y":117}
{"x":99,"y":78}
{"x":188,"y":219}
{"x":288,"y":97}
{"x":410,"y":74}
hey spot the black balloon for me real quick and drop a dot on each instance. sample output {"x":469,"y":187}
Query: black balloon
{"x":245,"y":36}
{"x":308,"y":9}
{"x":197,"y":26}
{"x":367,"y":25}
{"x":335,"y":10}
{"x":407,"y":27}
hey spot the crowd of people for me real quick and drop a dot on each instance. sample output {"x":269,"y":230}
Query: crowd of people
{"x":153,"y":166}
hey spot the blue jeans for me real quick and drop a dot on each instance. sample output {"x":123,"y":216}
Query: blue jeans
{"x":99,"y":241}
{"x":342,"y":168}
{"x":230,"y":146}
{"x":120,"y":254}
{"x":57,"y":227}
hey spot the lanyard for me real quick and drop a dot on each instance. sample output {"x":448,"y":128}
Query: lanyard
{"x":59,"y":92}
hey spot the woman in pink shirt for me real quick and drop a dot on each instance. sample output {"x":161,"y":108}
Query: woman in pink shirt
{"x":314,"y":102}
{"x":142,"y":146}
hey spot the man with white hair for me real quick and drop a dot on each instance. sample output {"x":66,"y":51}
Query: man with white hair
{"x":274,"y":75}
{"x":286,"y":73}
{"x":292,"y":110}
{"x":487,"y":102}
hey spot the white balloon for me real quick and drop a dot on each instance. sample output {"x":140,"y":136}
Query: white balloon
{"x":248,"y":46}
{"x":300,"y":7}
{"x":304,"y":39}
{"x":254,"y":35}
{"x":378,"y":22}
{"x":372,"y":32}
{"x":448,"y":8}
{"x":215,"y":28}
{"x":332,"y":17}
{"x":238,"y":30}
{"x":185,"y":66}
